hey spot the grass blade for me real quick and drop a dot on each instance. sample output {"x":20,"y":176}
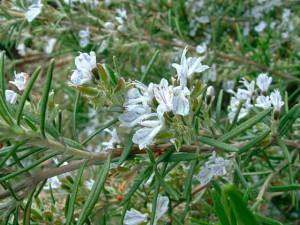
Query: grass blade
{"x":218,"y":144}
{"x":44,"y":100}
{"x":140,"y":178}
{"x":71,"y":205}
{"x":152,"y":60}
{"x":95,"y":192}
{"x":244,"y":126}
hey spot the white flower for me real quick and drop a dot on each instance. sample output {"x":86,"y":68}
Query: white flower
{"x":180,"y":104}
{"x":89,"y":184}
{"x":54,"y":182}
{"x":86,"y":61}
{"x":276,"y":100}
{"x":263,"y":102}
{"x":164,"y":95}
{"x":245,"y":110}
{"x":162,"y":206}
{"x":122,"y":15}
{"x":263,"y":82}
{"x":145,"y":135}
{"x":213,"y":167}
{"x":136,"y":104}
{"x":109,"y":26}
{"x":201,"y":48}
{"x":260,"y":27}
{"x":33,"y":11}
{"x":187,"y":67}
{"x":114,"y":141}
{"x":21,"y":80}
{"x":50,"y":45}
{"x":249,"y":86}
{"x":84,"y":37}
{"x":21,"y":49}
{"x":203,"y":19}
{"x":84,"y":33}
{"x":11,"y":96}
{"x":122,"y":28}
{"x":134,"y":217}
{"x":102,"y":46}
{"x":80,"y":77}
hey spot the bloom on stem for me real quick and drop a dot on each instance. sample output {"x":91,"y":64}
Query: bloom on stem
{"x":276,"y":100}
{"x":145,"y":135}
{"x":85,"y":63}
{"x":21,"y":80}
{"x":263,"y":102}
{"x":187,"y":67}
{"x":80,"y":77}
{"x":263,"y":82}
{"x":134,"y":217}
{"x":216,"y":166}
{"x":11,"y":97}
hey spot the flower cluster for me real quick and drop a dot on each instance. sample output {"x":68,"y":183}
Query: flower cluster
{"x":135,"y":217}
{"x":244,"y":97}
{"x":146,"y":105}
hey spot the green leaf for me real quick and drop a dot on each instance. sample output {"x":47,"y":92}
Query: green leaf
{"x":12,"y":151}
{"x":292,"y":187}
{"x":26,"y":94}
{"x":255,"y":141}
{"x":179,"y":157}
{"x":27,"y":211}
{"x":244,"y":126}
{"x":137,"y":182}
{"x":284,"y":150}
{"x":2,"y":75}
{"x":20,"y":171}
{"x":218,"y":108}
{"x":75,"y":135}
{"x":151,"y":62}
{"x":44,"y":100}
{"x":219,"y":207}
{"x":266,"y":220}
{"x":126,"y":150}
{"x":71,"y":203}
{"x":94,"y":194}
{"x":288,"y":120}
{"x":4,"y":112}
{"x":241,"y":211}
{"x":218,"y":144}
{"x":170,"y":190}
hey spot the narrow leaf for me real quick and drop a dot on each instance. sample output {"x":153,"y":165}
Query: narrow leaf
{"x":288,"y":120}
{"x":94,"y":194}
{"x":71,"y":203}
{"x":152,"y":60}
{"x":244,"y":126}
{"x":218,"y":144}
{"x":219,"y":208}
{"x":241,"y":211}
{"x":140,"y":178}
{"x":44,"y":100}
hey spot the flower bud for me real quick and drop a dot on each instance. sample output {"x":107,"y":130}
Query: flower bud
{"x":210,"y":95}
